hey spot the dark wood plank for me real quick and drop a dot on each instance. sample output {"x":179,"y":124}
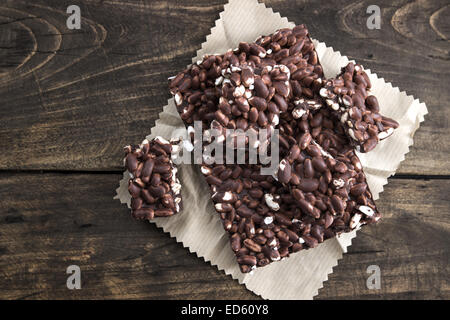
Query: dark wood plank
{"x":50,"y":221}
{"x":72,"y":219}
{"x":72,"y":98}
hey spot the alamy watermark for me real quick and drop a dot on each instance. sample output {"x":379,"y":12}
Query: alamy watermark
{"x":374,"y":20}
{"x":74,"y":20}
{"x":74,"y":280}
{"x":374,"y":280}
{"x":226,"y":146}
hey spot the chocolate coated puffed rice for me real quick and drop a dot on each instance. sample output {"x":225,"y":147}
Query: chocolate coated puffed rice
{"x":348,"y":95}
{"x":153,"y":185}
{"x":319,"y":189}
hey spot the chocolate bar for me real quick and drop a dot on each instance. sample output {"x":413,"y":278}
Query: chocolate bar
{"x":313,"y":197}
{"x":249,"y":86}
{"x":348,"y":95}
{"x":153,"y":184}
{"x":318,"y":190}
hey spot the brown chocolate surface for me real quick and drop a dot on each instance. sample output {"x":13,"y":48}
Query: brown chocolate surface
{"x":348,"y":95}
{"x":153,"y":184}
{"x":319,"y":189}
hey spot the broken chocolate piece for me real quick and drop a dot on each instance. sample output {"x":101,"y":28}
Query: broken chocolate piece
{"x":153,"y":185}
{"x":348,"y":95}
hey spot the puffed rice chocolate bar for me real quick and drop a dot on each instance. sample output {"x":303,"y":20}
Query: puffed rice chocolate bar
{"x":317,"y":193}
{"x":348,"y":95}
{"x":249,"y":86}
{"x":153,"y":184}
{"x":319,"y":189}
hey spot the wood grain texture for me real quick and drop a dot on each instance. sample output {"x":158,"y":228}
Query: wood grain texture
{"x":72,"y":98}
{"x":72,"y":219}
{"x":64,"y":219}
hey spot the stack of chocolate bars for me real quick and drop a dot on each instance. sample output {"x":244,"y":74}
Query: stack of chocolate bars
{"x":318,"y":188}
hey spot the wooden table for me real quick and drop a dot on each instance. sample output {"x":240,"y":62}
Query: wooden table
{"x":71,"y":99}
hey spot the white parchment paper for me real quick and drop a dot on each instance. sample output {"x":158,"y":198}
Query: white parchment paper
{"x":199,"y":227}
